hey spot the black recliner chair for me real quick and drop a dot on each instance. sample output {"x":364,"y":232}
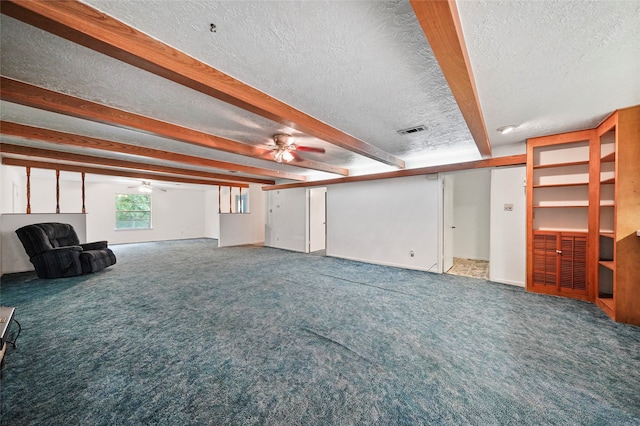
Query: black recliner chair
{"x":56,"y":252}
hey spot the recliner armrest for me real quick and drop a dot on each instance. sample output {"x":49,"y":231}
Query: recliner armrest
{"x":98,"y":245}
{"x":63,"y":248}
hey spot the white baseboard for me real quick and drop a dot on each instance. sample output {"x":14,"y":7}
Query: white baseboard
{"x":395,"y":265}
{"x":510,"y":282}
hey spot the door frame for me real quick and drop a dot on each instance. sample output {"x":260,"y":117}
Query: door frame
{"x":310,"y":241}
{"x":448,"y":191}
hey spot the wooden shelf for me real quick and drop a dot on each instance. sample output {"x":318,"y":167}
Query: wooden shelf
{"x":573,"y":163}
{"x":562,"y":207}
{"x":606,"y":302}
{"x":608,"y":305}
{"x":609,"y":158}
{"x":559,"y":185}
{"x":567,"y":230}
{"x":609,"y":264}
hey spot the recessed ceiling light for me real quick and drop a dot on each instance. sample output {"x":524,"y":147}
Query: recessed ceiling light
{"x":506,"y":129}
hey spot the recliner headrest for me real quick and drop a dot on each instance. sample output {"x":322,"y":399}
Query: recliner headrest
{"x":60,"y":234}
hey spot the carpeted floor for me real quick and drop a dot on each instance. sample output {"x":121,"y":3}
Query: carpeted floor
{"x":184,"y":333}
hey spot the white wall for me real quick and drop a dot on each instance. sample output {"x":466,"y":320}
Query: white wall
{"x":286,"y":219}
{"x":178,"y":213}
{"x":245,"y":228}
{"x":511,"y":149}
{"x":10,"y":176}
{"x":212,"y":218}
{"x":471,"y":201}
{"x":13,"y":204}
{"x":382,"y":221}
{"x":241,"y":228}
{"x":508,"y":228}
{"x":175,"y":214}
{"x":376,"y":221}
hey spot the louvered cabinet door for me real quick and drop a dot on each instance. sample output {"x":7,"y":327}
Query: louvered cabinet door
{"x":573,"y":262}
{"x":560,"y":263}
{"x":545,"y":259}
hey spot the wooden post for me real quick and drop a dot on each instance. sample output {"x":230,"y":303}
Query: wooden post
{"x":57,"y":191}
{"x":84,"y":210}
{"x":28,"y":190}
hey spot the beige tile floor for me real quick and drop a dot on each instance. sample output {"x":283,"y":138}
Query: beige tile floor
{"x":470,"y":268}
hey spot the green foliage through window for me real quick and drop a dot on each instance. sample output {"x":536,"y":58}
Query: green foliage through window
{"x":133,"y":211}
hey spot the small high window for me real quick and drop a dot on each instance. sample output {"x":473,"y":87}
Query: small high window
{"x":133,"y":211}
{"x":241,"y":204}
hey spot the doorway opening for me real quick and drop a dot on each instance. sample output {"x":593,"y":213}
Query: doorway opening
{"x":466,"y":223}
{"x":470,"y":268}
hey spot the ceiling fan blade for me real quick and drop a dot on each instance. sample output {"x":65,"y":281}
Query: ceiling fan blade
{"x":309,"y":149}
{"x":268,"y":147}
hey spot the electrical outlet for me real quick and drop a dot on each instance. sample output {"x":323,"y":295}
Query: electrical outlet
{"x":411,"y":253}
{"x":508,"y":207}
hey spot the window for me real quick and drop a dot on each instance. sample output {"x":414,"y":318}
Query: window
{"x":241,"y":204}
{"x":133,"y":211}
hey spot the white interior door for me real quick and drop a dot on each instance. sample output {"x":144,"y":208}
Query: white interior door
{"x":448,"y":225}
{"x":317,"y":219}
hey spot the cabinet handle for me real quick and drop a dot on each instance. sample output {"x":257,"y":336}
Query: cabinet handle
{"x":559,"y":251}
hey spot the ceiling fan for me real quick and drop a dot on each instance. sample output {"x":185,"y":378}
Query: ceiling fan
{"x":284,"y":147}
{"x":146,"y":187}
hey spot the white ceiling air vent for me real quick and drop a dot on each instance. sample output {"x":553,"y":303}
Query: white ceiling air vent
{"x":414,"y":129}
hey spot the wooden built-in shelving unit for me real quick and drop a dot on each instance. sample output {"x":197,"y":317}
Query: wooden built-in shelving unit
{"x":558,"y":219}
{"x":589,"y":182}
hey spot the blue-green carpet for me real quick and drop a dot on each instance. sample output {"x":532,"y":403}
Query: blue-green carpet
{"x":185,"y":333}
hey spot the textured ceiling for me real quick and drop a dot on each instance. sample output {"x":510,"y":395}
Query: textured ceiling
{"x":363,"y":67}
{"x":552,"y":66}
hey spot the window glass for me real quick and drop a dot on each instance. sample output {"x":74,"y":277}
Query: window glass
{"x":133,"y":211}
{"x":241,"y":204}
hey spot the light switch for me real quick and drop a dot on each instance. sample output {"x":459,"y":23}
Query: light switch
{"x":508,"y":207}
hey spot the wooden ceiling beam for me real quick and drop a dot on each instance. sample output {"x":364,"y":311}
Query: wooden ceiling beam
{"x":441,"y":25}
{"x":132,"y":165}
{"x":91,"y":28}
{"x":8,"y":161}
{"x":24,"y":131}
{"x":37,"y":97}
{"x":512,"y":160}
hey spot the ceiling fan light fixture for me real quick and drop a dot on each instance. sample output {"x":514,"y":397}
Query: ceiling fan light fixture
{"x":287,"y":156}
{"x":276,"y":155}
{"x":283,"y":148}
{"x":283,"y":139}
{"x":145,"y":187}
